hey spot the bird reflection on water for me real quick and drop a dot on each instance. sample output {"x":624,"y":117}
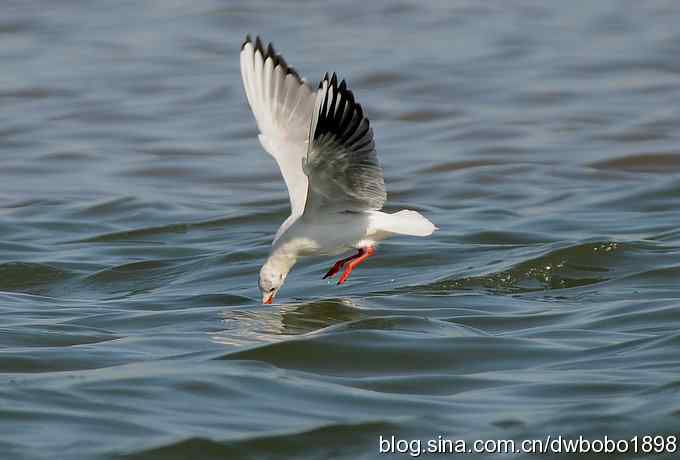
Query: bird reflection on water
{"x":265,"y":324}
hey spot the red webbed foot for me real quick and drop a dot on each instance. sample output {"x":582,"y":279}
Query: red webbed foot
{"x":364,"y":253}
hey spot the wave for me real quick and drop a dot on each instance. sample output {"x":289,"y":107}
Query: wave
{"x":575,"y":266}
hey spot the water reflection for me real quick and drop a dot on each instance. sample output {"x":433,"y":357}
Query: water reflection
{"x":264,"y":324}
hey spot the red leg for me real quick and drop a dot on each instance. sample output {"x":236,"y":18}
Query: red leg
{"x":364,"y":253}
{"x":339,"y":264}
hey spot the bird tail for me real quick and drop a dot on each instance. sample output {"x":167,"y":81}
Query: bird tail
{"x":405,"y":222}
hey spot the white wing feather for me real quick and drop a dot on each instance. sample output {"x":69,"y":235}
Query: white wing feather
{"x":282,"y":105}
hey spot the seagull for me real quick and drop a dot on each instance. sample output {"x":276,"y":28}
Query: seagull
{"x":323,"y":144}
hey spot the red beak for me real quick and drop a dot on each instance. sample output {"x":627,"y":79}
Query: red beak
{"x":268,"y":300}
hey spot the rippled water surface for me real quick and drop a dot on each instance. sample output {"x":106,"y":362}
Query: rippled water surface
{"x":136,"y":207}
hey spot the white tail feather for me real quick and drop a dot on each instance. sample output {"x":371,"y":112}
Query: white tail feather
{"x":405,"y":222}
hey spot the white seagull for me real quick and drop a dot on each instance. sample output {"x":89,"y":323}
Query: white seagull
{"x":323,"y":144}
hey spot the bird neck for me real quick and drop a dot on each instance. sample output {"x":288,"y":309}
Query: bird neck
{"x":282,"y":258}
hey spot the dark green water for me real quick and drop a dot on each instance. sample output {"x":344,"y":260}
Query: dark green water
{"x":136,"y":207}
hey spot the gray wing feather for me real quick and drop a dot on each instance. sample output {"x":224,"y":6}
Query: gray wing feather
{"x":341,"y":162}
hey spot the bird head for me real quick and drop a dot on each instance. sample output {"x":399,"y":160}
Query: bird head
{"x":272,"y":276}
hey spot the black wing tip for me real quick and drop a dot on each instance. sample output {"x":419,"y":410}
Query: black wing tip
{"x":258,"y":45}
{"x":341,"y":88}
{"x":246,"y":41}
{"x":338,"y":123}
{"x":269,"y":52}
{"x":324,"y":79}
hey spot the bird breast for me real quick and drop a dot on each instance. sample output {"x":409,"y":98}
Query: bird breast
{"x":329,"y":234}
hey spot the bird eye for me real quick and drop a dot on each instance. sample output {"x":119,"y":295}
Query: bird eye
{"x":272,"y":289}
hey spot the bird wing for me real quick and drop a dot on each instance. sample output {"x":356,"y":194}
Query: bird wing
{"x":282,"y":104}
{"x":341,"y":162}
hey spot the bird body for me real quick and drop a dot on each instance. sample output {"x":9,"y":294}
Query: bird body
{"x":324,"y":146}
{"x":319,"y":235}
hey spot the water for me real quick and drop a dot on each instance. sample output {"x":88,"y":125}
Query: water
{"x":136,"y":207}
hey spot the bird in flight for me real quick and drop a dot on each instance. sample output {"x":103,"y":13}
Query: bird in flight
{"x":323,"y":144}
